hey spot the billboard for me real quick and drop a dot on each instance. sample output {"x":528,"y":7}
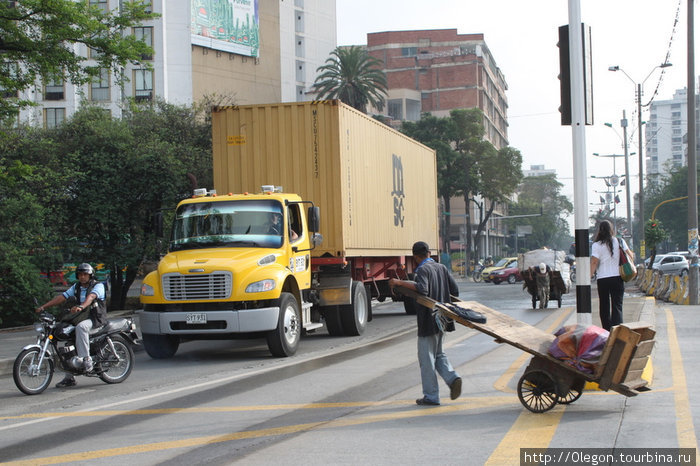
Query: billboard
{"x":226,"y":25}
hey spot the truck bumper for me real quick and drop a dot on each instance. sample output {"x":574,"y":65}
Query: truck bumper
{"x":244,"y":321}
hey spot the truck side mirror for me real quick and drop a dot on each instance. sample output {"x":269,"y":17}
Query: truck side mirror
{"x":314,"y":216}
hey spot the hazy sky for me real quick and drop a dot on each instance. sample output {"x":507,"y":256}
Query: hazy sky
{"x":522,"y":37}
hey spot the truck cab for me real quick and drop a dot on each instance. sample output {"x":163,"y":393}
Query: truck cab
{"x":237,"y":266}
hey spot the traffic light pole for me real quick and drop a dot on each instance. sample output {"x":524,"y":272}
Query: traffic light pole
{"x":692,"y":164}
{"x":578,"y":136}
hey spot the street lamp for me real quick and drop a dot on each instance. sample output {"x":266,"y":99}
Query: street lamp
{"x":623,"y":124}
{"x":614,"y":180}
{"x":638,"y":86}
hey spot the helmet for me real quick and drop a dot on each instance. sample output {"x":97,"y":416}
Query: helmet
{"x":84,"y":268}
{"x":543,"y":267}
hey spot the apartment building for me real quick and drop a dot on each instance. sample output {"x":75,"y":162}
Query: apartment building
{"x":244,"y":51}
{"x":437,"y":71}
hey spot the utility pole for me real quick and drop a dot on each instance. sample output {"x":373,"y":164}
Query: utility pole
{"x":623,"y":123}
{"x":692,"y":164}
{"x":640,"y":150}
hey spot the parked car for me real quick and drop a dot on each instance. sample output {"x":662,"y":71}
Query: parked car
{"x":501,"y":264}
{"x":508,"y":274}
{"x":672,"y":264}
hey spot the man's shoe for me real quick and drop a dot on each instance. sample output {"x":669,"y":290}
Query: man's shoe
{"x":68,"y":381}
{"x":426,"y":402}
{"x":456,"y":388}
{"x":87,"y":363}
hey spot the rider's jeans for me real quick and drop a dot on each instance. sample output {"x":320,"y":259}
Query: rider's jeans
{"x":82,"y":338}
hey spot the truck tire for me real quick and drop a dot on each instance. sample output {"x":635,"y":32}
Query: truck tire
{"x":160,"y":346}
{"x":284,"y":340}
{"x":354,"y":316}
{"x":331,"y":314}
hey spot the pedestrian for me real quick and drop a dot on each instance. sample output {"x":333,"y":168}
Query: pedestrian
{"x":542,"y":282}
{"x":605,"y":261}
{"x":433,"y":280}
{"x":90,"y":313}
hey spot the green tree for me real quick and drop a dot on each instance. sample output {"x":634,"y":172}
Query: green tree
{"x":543,"y":194}
{"x":38,"y":39}
{"x":654,"y":233}
{"x":352,"y":76}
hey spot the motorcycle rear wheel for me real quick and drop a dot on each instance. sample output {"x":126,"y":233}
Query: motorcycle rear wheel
{"x":115,"y":367}
{"x":30,"y":378}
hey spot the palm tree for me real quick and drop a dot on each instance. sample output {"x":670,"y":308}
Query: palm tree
{"x":353,"y":76}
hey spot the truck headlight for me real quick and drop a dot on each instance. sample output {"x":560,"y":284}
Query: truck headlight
{"x":147,"y":290}
{"x":262,"y":285}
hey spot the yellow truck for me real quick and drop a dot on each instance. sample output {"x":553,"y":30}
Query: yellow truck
{"x":264,"y":262}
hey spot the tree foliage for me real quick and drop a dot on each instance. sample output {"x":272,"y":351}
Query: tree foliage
{"x":42,"y":39}
{"x":467,"y":165}
{"x":354,"y":77}
{"x":542,"y":194}
{"x":93,"y":186}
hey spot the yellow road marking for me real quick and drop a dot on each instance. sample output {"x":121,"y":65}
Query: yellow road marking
{"x":684,"y":420}
{"x":463,"y":404}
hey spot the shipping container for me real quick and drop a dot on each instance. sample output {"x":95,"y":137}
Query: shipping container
{"x":376,"y":188}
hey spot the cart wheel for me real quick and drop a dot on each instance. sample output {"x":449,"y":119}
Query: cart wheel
{"x":537,"y":391}
{"x":534,"y":302}
{"x":573,"y":395}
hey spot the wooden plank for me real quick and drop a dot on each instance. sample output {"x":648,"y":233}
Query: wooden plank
{"x":633,"y":375}
{"x":635,"y":384}
{"x":643,"y":329}
{"x":644,"y":348}
{"x":606,"y":353}
{"x":638,"y":363}
{"x":630,"y":340}
{"x":608,"y":370}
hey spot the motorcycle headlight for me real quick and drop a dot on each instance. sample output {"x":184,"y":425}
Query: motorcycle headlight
{"x":262,"y":285}
{"x":147,"y":290}
{"x":38,"y":328}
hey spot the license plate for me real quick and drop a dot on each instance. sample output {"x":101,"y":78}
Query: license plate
{"x":198,"y":318}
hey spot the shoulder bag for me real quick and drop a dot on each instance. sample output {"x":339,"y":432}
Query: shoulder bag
{"x":627,"y":270}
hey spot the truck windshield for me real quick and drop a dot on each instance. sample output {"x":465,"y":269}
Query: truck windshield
{"x":228,"y":224}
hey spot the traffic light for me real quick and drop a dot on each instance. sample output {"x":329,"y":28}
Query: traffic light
{"x":564,"y":75}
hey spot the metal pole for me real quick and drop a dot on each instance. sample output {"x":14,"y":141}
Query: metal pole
{"x":642,"y":242}
{"x":692,"y":164}
{"x":623,"y":123}
{"x":578,"y":139}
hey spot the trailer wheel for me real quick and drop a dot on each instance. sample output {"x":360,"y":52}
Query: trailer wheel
{"x":284,"y":340}
{"x":331,"y":314}
{"x":354,"y":316}
{"x":537,"y":391}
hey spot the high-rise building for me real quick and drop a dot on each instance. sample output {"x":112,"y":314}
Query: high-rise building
{"x":244,"y":51}
{"x":666,"y":135}
{"x":437,"y":71}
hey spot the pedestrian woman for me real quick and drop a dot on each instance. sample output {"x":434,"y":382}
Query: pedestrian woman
{"x":605,"y":260}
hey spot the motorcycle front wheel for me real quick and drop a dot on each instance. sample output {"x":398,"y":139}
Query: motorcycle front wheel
{"x":115,"y":364}
{"x":31,"y":377}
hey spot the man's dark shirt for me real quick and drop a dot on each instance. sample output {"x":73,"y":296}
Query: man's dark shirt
{"x":434,"y":281}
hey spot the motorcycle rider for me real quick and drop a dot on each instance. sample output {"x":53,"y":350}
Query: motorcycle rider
{"x":91,"y":295}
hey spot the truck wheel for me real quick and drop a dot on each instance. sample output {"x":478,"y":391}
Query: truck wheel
{"x":331,"y":314}
{"x":160,"y":346}
{"x":284,"y":340}
{"x":354,"y":316}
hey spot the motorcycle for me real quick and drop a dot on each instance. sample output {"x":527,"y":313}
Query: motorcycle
{"x":476,"y":274}
{"x":110,"y":349}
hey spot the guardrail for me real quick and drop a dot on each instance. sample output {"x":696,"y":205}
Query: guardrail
{"x":670,"y":288}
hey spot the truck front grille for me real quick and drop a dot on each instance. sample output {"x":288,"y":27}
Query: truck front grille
{"x":215,"y":285}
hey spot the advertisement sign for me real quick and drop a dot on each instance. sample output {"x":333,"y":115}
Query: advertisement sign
{"x":227,"y":25}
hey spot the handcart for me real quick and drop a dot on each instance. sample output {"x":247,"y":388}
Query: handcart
{"x":557,"y":287}
{"x":548,"y":381}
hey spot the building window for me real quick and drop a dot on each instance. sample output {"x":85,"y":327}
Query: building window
{"x":143,"y":85}
{"x":101,"y":4}
{"x":395,"y":109}
{"x":53,"y":89}
{"x":675,"y":105}
{"x":99,"y":87}
{"x":676,"y":122}
{"x":145,"y":35}
{"x":675,"y":114}
{"x":53,"y":117}
{"x":409,"y":51}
